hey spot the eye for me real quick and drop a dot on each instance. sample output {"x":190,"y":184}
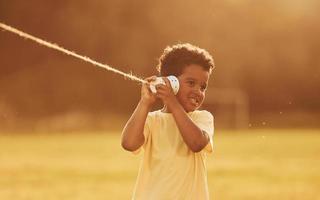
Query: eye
{"x":191,"y":83}
{"x":203,"y":88}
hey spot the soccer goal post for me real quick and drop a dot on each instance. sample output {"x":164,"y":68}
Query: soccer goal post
{"x":230,"y":107}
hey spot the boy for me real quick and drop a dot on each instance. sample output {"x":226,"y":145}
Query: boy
{"x":176,"y":138}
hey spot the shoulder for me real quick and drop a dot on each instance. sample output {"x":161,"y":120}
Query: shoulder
{"x":202,"y":114}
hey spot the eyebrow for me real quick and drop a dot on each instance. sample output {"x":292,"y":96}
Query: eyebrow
{"x":190,"y":78}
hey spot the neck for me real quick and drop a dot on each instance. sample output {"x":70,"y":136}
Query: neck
{"x":165,"y":109}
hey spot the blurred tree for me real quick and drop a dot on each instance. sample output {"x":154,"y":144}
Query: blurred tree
{"x":268,"y":49}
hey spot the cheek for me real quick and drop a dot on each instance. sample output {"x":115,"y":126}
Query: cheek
{"x":203,"y":95}
{"x":182,"y":91}
{"x":180,"y":96}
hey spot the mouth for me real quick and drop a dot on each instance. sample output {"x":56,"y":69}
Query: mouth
{"x":194,"y":101}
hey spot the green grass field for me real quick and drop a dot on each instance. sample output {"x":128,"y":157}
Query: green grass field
{"x":247,"y":165}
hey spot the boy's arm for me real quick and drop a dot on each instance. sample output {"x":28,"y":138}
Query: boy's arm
{"x":193,"y":136}
{"x":132,"y":133}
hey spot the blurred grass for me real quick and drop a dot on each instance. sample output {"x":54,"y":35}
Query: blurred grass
{"x":255,"y":164}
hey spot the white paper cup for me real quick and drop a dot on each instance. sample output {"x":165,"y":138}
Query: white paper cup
{"x":174,"y":82}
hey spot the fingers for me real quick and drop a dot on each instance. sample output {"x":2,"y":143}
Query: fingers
{"x":150,"y":79}
{"x":165,"y":94}
{"x":166,"y":80}
{"x":146,"y":86}
{"x":160,"y":87}
{"x":167,"y":84}
{"x":163,"y":90}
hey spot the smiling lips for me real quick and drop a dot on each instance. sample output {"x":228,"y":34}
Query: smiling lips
{"x":194,"y":101}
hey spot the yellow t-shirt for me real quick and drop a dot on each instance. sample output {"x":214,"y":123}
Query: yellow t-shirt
{"x":169,"y":169}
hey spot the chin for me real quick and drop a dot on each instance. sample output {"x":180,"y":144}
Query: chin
{"x":190,"y":109}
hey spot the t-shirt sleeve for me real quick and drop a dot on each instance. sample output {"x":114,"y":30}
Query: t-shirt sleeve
{"x":205,"y":122}
{"x":146,"y":132}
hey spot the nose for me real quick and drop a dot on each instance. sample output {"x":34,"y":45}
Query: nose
{"x":197,"y":90}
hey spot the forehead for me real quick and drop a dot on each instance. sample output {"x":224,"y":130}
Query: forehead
{"x":196,"y":72}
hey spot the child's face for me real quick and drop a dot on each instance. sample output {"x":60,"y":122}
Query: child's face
{"x":193,"y":83}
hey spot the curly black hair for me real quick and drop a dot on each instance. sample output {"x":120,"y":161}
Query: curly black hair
{"x":175,"y":58}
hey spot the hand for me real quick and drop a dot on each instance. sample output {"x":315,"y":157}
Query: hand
{"x":147,"y":97}
{"x":165,"y":93}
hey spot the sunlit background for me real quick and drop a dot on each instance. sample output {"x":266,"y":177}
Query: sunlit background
{"x":61,"y":118}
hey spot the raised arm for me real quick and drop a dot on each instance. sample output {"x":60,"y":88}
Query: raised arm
{"x":195,"y":138}
{"x":132,"y":133}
